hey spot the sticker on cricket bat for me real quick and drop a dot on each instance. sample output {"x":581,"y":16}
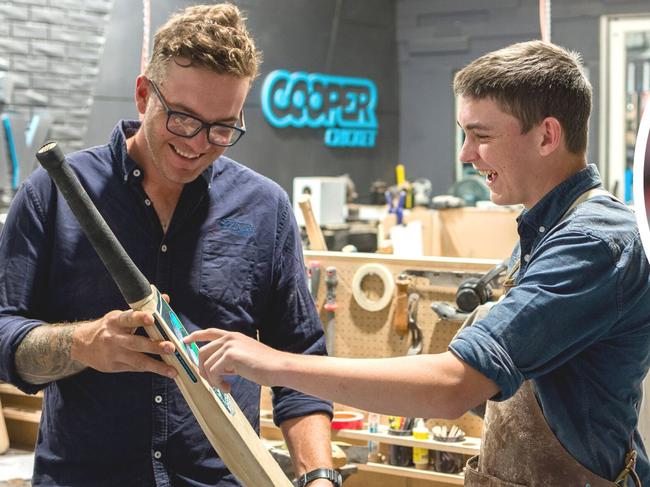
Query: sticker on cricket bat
{"x":190,"y":351}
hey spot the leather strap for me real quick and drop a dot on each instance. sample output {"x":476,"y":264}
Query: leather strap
{"x":509,"y":280}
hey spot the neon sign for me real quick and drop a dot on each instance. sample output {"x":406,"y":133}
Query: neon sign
{"x":344,"y":106}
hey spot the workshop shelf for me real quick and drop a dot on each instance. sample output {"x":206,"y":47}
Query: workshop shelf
{"x":407,"y":472}
{"x":470,"y":446}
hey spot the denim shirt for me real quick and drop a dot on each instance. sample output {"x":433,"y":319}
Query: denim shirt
{"x":231,"y":259}
{"x":577,"y":323}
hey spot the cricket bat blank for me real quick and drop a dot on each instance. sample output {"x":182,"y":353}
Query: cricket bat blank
{"x":222,"y":421}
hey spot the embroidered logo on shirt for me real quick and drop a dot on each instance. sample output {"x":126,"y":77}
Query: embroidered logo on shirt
{"x":238,"y":228}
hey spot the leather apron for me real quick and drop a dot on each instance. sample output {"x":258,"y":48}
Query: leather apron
{"x":518,"y":447}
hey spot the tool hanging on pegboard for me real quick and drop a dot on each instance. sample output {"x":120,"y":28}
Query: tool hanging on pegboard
{"x":447,"y":312}
{"x":400,"y":317}
{"x":313,"y":278}
{"x":416,"y":333}
{"x":474,"y":291}
{"x":331,"y":281}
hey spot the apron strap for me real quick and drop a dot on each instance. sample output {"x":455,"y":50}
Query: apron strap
{"x":509,"y":280}
{"x":587,"y":195}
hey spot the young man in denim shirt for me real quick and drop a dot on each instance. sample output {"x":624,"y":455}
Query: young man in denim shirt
{"x":561,"y":358}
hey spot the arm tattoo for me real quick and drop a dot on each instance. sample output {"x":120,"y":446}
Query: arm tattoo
{"x":44,"y":354}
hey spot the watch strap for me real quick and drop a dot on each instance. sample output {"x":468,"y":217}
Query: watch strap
{"x":320,"y":473}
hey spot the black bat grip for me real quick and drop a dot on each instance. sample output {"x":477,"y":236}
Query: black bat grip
{"x":132,"y":283}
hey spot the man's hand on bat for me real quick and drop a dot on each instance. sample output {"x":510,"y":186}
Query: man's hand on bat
{"x":109,"y":344}
{"x":231,"y":353}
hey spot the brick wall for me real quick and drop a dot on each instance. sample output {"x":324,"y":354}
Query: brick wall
{"x":51,"y":50}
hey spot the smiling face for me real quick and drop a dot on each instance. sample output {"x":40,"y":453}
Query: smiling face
{"x":170,"y":160}
{"x":509,"y":160}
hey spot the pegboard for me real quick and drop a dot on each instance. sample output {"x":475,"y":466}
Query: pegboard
{"x":364,"y":334}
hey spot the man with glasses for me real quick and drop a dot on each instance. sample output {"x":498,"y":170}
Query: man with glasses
{"x":217,"y":237}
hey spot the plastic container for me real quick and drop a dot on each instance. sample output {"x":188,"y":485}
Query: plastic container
{"x":443,"y":461}
{"x":373,"y":446}
{"x":420,"y":455}
{"x":400,"y":456}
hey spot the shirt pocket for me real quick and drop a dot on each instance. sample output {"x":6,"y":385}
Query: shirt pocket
{"x":227,"y":271}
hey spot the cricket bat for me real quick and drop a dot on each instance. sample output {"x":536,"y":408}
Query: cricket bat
{"x":222,"y":421}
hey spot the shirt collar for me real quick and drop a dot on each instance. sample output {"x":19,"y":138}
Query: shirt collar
{"x":129,"y":168}
{"x":550,"y":209}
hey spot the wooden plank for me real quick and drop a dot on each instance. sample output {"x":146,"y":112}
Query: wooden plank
{"x":24,"y":415}
{"x":13,"y":397}
{"x":6,"y":388}
{"x":22,"y":434}
{"x":447,"y":478}
{"x":476,"y":232}
{"x":4,"y":436}
{"x":466,"y":233}
{"x":314,"y":233}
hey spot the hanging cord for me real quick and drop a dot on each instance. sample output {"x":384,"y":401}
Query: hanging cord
{"x":146,"y":29}
{"x":545,"y":19}
{"x":334,"y":31}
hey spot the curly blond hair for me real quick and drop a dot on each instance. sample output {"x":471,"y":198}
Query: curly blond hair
{"x":209,"y":36}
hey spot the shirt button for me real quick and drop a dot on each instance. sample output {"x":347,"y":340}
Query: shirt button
{"x":163,"y":248}
{"x":527,"y":257}
{"x":157,"y":455}
{"x":147,"y":202}
{"x":137,"y":172}
{"x":158,"y":399}
{"x":542,"y":229}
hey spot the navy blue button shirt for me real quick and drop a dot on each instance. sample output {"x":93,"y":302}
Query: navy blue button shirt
{"x":577,"y":323}
{"x":231,"y":259}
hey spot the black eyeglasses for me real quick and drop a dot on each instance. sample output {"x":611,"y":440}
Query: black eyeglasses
{"x":186,"y":125}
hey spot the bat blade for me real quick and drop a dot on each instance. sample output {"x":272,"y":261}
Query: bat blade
{"x":219,"y":416}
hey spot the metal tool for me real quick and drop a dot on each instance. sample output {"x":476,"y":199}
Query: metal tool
{"x":442,"y":278}
{"x":476,"y":291}
{"x":398,"y":209}
{"x":416,"y":333}
{"x":448,"y":312}
{"x":314,"y":278}
{"x":331,"y":281}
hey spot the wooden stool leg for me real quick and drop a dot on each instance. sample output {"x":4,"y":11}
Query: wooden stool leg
{"x":4,"y":436}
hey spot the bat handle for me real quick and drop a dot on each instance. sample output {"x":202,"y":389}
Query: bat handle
{"x":133,"y":285}
{"x":50,"y":156}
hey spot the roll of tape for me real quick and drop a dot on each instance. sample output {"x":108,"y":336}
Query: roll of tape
{"x":348,"y":420}
{"x":387,"y":280}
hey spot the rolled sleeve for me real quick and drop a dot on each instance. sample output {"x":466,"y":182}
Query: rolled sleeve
{"x":481,"y":351}
{"x":12,"y":332}
{"x":20,"y":245}
{"x":565,"y":301}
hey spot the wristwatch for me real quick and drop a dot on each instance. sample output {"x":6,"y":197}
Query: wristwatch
{"x":320,"y":473}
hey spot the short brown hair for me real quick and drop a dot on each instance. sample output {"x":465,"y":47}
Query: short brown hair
{"x":531,"y":81}
{"x":210,"y":36}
